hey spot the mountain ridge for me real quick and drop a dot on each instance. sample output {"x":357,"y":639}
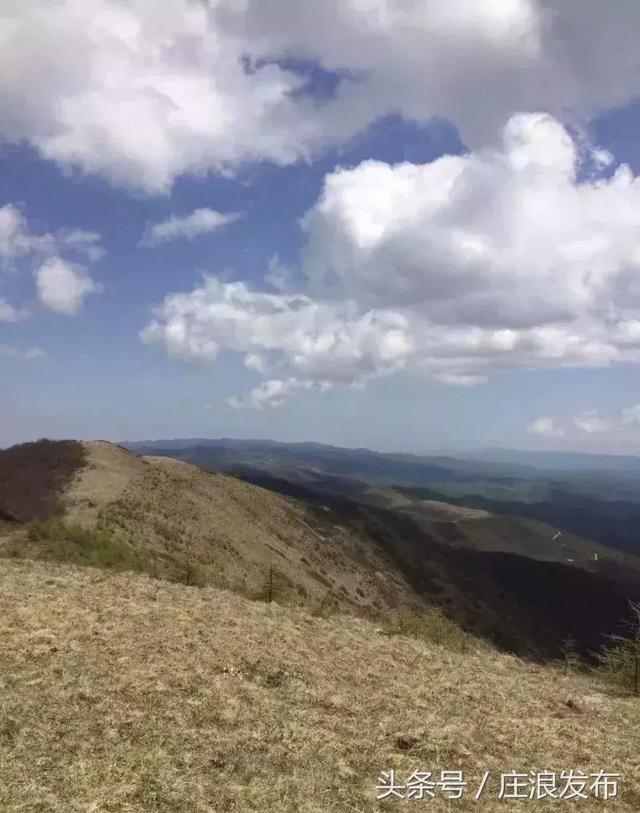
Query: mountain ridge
{"x":177,"y":521}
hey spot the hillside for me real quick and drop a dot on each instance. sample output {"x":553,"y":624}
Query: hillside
{"x":591,"y":496}
{"x":123,"y":693}
{"x":175,"y":521}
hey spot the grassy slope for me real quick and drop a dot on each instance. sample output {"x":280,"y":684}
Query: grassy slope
{"x":175,"y":521}
{"x":456,"y":524}
{"x":120,"y":693}
{"x":603,"y":505}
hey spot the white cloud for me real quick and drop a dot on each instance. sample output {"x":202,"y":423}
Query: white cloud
{"x":15,"y":240}
{"x":321,"y":341}
{"x":143,"y":92}
{"x":454,"y":269}
{"x":18,"y":241}
{"x":21,"y":354}
{"x":273,"y":393}
{"x":592,"y":424}
{"x":545,"y":427}
{"x":503,"y":238}
{"x":81,"y":241}
{"x":62,"y":286}
{"x":200,"y":221}
{"x":625,"y":423}
{"x":9,"y":313}
{"x":623,"y":426}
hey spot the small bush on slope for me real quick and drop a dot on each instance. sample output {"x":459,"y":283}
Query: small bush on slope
{"x":619,"y":662}
{"x":70,"y":543}
{"x":434,"y":626}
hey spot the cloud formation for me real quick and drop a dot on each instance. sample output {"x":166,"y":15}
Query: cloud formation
{"x":142,"y":92}
{"x":8,"y":313}
{"x":61,"y":284}
{"x":623,"y":425}
{"x":199,"y":222}
{"x":545,"y":427}
{"x":591,"y":423}
{"x":273,"y":393}
{"x":454,"y":269}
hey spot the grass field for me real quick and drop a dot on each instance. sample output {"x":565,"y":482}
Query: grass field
{"x":123,"y":693}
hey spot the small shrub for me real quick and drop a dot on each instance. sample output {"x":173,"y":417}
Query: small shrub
{"x":571,"y":661}
{"x":619,"y":662}
{"x":326,"y":607}
{"x":431,"y":625}
{"x":274,"y":588}
{"x":54,"y":539}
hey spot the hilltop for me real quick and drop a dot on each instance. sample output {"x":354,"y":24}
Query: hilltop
{"x":176,"y":521}
{"x":140,"y":673}
{"x":121,"y":692}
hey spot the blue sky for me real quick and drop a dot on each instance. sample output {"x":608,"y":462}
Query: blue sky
{"x":414,"y":313}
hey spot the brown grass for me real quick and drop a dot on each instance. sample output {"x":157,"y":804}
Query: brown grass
{"x":184,"y":524}
{"x":33,"y":476}
{"x":120,"y":693}
{"x":175,"y":521}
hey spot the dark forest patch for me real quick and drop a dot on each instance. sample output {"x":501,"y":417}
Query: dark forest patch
{"x":33,"y":477}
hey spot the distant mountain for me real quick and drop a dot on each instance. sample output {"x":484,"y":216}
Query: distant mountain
{"x":557,"y":461}
{"x":382,"y":467}
{"x":374,"y":553}
{"x":597,"y":502}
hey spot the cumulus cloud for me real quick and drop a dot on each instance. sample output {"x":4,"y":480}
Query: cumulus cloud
{"x":592,"y":424}
{"x":143,"y":92}
{"x":322,"y":341}
{"x":545,"y":427}
{"x":454,"y":269}
{"x":8,"y":313}
{"x":17,"y":240}
{"x":502,"y":238}
{"x":199,"y":222}
{"x":625,"y":422}
{"x":62,"y":286}
{"x":624,"y":425}
{"x":273,"y":393}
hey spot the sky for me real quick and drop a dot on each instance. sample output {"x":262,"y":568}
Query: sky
{"x":398,"y":224}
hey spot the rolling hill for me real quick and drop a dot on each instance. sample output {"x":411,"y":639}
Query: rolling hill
{"x":592,"y":496}
{"x":176,"y":521}
{"x":138,"y":674}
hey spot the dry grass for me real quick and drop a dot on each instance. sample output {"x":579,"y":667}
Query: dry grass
{"x":183,"y":523}
{"x":121,"y":693}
